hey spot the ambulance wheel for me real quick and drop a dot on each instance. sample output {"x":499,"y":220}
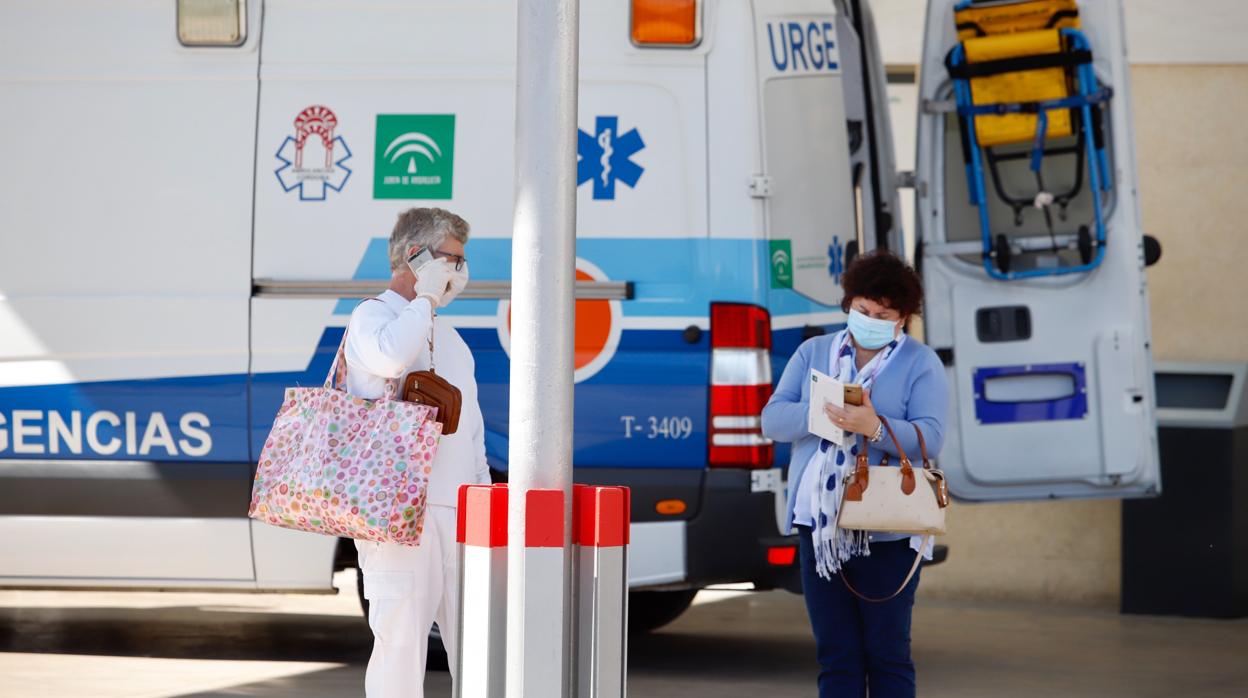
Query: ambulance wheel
{"x":435,"y":656}
{"x":651,"y":610}
{"x":1002,"y":253}
{"x":1085,"y":244}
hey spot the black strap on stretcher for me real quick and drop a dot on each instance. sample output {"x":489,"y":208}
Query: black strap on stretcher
{"x":1039,"y":61}
{"x":1102,"y":94}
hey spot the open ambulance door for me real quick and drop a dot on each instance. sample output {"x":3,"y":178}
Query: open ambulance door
{"x":1040,"y":312}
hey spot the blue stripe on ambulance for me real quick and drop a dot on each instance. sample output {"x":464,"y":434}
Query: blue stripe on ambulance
{"x":672,"y":277}
{"x":654,"y":372}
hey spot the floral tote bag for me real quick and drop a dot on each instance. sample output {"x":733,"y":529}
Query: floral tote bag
{"x":346,"y":466}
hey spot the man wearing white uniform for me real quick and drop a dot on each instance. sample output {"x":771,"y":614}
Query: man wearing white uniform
{"x":409,"y":588}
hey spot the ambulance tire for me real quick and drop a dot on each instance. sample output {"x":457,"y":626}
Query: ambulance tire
{"x":1002,"y":255}
{"x":651,"y":610}
{"x":435,"y":656}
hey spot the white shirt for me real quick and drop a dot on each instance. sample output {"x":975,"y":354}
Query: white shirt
{"x":389,"y":339}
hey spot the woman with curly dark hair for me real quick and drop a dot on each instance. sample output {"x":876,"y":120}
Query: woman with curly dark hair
{"x":860,"y":644}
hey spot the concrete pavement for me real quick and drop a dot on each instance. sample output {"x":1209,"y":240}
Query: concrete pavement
{"x":731,"y":643}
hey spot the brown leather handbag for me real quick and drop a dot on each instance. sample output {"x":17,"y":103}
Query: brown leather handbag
{"x":901,"y":500}
{"x":428,"y":388}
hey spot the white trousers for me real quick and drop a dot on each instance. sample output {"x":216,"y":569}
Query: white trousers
{"x":409,"y":588}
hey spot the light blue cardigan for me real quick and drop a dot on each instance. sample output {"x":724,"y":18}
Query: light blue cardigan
{"x":911,"y":390}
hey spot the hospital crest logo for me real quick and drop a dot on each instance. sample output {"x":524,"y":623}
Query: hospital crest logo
{"x":606,"y":157}
{"x":312,"y":161}
{"x":414,"y":156}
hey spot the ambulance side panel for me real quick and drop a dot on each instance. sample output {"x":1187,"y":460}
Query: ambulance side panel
{"x":421,"y":101}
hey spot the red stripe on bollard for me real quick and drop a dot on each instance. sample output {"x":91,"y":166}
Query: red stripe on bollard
{"x":461,"y":510}
{"x":543,"y":513}
{"x":482,"y":603}
{"x":483,"y":515}
{"x":601,"y":529}
{"x":628,"y":515}
{"x":577,"y":508}
{"x":602,"y":516}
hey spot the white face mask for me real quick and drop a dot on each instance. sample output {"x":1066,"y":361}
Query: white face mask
{"x":459,"y":279}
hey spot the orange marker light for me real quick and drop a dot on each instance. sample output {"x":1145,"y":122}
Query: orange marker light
{"x":665,"y":23}
{"x":671,"y":507}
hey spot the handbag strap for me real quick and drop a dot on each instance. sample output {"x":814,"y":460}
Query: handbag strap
{"x":918,"y":559}
{"x":927,"y":462}
{"x":433,"y":327}
{"x":861,"y":468}
{"x":336,"y":379}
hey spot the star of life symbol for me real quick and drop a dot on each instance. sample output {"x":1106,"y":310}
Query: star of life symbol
{"x":606,"y":157}
{"x":836,"y":253}
{"x":313,"y":180}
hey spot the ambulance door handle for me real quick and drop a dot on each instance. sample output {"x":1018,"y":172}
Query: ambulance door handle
{"x":1152,"y":250}
{"x":486,"y":289}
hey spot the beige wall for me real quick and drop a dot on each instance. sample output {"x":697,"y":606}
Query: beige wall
{"x":1191,"y":132}
{"x":1191,"y":125}
{"x":1065,"y":552}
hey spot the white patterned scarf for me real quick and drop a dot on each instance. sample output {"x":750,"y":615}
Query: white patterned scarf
{"x":834,"y":546}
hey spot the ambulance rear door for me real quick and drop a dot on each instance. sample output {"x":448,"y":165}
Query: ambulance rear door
{"x":1051,"y":375}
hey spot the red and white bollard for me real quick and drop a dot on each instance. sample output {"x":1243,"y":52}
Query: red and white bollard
{"x":600,"y":538}
{"x":542,"y":650}
{"x":482,"y":537}
{"x":600,"y":529}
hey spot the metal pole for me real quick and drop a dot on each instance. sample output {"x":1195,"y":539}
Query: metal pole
{"x":543,"y":275}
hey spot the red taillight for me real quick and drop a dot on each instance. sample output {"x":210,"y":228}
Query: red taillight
{"x":740,"y":325}
{"x":782,"y":556}
{"x":740,"y":386}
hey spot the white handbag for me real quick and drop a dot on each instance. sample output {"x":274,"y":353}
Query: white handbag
{"x":892,"y":499}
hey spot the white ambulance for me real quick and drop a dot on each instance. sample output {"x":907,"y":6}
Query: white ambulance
{"x":195,"y":192}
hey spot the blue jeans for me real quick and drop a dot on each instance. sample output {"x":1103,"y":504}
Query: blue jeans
{"x":860,"y":644}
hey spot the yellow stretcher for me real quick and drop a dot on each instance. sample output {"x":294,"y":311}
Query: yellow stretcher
{"x":1022,"y":73}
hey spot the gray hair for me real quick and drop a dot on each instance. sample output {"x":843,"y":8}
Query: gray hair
{"x":424,"y":227}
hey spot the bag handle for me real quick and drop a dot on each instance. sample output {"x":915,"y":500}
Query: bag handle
{"x":918,"y":559}
{"x":862,"y":478}
{"x":433,"y":326}
{"x":907,"y":470}
{"x":927,"y":462}
{"x":337,"y":377}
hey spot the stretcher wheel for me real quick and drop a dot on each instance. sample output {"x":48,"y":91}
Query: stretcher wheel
{"x":1085,"y":244}
{"x":1002,"y":253}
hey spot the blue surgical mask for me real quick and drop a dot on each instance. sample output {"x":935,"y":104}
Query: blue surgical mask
{"x":869,"y":332}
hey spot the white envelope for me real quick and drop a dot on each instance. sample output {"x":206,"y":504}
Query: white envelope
{"x":825,"y":389}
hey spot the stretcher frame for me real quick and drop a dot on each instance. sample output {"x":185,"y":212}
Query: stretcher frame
{"x":1089,"y":94}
